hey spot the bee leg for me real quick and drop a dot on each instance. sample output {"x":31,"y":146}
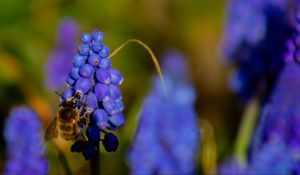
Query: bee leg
{"x":84,"y":119}
{"x":77,"y":130}
{"x":80,"y":134}
{"x":81,"y":111}
{"x":87,"y":117}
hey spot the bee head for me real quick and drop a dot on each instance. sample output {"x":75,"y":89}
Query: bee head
{"x":67,"y":113}
{"x":72,"y":102}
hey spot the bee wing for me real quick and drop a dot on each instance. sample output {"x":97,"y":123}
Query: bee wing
{"x":51,"y":132}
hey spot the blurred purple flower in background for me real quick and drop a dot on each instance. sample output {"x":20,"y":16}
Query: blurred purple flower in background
{"x":275,"y":145}
{"x":167,"y":137}
{"x":272,"y":157}
{"x":279,"y":123}
{"x":254,"y":41}
{"x":277,"y":138}
{"x":59,"y":62}
{"x":231,"y":166}
{"x":24,"y":143}
{"x":245,"y":23}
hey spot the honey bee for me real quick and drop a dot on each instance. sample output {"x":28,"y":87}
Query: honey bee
{"x":65,"y":123}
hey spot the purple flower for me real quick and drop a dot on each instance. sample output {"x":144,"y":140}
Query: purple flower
{"x":275,"y":144}
{"x":99,"y":98}
{"x":24,"y":143}
{"x":167,"y":136}
{"x":91,"y":77}
{"x":254,"y":41}
{"x":59,"y":62}
{"x":272,"y":157}
{"x":100,"y":118}
{"x":231,"y":166}
{"x":110,"y":142}
{"x":277,"y":138}
{"x":245,"y":23}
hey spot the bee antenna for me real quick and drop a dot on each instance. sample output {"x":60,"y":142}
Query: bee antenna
{"x":77,"y":95}
{"x":60,"y":95}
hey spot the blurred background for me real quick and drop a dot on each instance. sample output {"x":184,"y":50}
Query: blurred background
{"x":29,"y":34}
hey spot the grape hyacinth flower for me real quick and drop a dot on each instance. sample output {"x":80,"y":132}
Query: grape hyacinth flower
{"x":167,"y":138}
{"x":246,"y":23}
{"x":231,"y":166}
{"x":24,"y":143}
{"x":254,"y":41}
{"x":273,"y":157}
{"x":60,"y":60}
{"x":280,"y":119}
{"x":96,"y":83}
{"x":275,"y":144}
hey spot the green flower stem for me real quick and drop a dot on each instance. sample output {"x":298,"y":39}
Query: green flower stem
{"x":246,"y":130}
{"x":95,"y":161}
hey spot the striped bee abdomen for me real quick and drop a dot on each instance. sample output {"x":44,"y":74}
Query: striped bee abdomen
{"x":72,"y":136}
{"x":66,"y":127}
{"x":67,"y":118}
{"x":67,"y":130}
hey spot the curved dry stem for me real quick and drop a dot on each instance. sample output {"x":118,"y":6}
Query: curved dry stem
{"x":154,"y":59}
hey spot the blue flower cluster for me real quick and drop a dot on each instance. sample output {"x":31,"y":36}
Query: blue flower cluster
{"x":275,"y":146}
{"x":271,"y":158}
{"x":167,"y":137}
{"x":280,"y":121}
{"x":246,"y":23}
{"x":276,"y":143}
{"x":25,"y":148}
{"x":231,"y":166}
{"x":254,"y":41}
{"x":97,"y":85}
{"x":59,"y":62}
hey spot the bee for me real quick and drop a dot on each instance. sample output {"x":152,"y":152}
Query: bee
{"x":65,"y":123}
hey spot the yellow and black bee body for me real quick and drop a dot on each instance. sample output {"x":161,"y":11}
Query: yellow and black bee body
{"x":65,"y":123}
